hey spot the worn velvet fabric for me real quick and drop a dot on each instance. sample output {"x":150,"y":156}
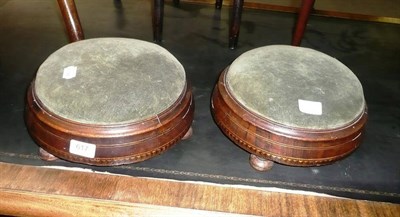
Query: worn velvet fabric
{"x":109,"y":81}
{"x":295,"y":86}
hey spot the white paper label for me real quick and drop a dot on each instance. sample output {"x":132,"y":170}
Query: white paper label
{"x":82,"y":148}
{"x":310,"y":107}
{"x":69,"y":72}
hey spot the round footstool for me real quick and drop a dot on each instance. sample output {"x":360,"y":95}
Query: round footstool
{"x":109,"y":101}
{"x":290,"y":105}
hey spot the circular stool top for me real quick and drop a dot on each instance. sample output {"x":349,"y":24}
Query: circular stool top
{"x":296,"y":87}
{"x":109,"y":81}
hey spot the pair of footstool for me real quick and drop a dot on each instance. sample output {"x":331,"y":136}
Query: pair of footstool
{"x":112,"y":101}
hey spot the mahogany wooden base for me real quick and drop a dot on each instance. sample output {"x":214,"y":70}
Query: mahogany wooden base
{"x":276,"y":142}
{"x":109,"y":144}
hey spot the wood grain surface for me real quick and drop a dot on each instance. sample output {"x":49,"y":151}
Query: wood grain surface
{"x":38,"y":191}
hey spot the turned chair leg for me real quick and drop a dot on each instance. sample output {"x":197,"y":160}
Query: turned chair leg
{"x":234,"y":27}
{"x":304,"y":14}
{"x":158,"y":15}
{"x":71,"y":20}
{"x":218,"y":4}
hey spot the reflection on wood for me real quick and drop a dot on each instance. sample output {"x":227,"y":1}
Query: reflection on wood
{"x":320,"y":12}
{"x":35,"y":191}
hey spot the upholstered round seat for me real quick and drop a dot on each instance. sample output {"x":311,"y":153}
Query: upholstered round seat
{"x":126,"y":99}
{"x":292,"y":105}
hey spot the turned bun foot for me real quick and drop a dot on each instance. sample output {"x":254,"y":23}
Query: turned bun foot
{"x":46,"y":156}
{"x":188,"y":134}
{"x":260,"y":164}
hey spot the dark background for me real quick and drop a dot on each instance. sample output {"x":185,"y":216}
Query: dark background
{"x":197,"y":36}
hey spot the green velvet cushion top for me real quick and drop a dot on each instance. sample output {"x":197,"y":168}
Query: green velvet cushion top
{"x":297,"y":87}
{"x":109,"y":81}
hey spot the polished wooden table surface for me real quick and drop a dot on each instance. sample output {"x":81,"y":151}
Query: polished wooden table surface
{"x":42,"y":191}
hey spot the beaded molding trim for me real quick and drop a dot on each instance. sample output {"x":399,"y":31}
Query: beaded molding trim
{"x":274,"y":157}
{"x":112,"y":161}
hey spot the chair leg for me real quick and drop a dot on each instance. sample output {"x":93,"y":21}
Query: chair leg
{"x":218,"y":4}
{"x":71,"y":20}
{"x":234,"y":27}
{"x":118,"y":4}
{"x":304,"y":14}
{"x":158,"y":15}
